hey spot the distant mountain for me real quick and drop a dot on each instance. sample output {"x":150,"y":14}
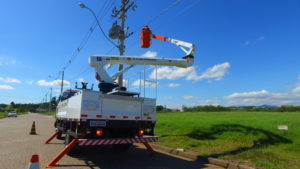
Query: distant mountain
{"x":261,"y":106}
{"x":267,"y":106}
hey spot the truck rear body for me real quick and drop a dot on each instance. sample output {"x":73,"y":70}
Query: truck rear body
{"x":117,"y":116}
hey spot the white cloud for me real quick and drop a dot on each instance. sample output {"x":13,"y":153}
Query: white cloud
{"x":30,"y":82}
{"x":54,"y":83}
{"x":262,"y":93}
{"x":7,"y":61}
{"x":256,"y":98}
{"x":79,"y":80}
{"x":150,"y":54}
{"x":296,"y":90}
{"x":171,"y":73}
{"x":174,"y":85}
{"x":147,"y":83}
{"x":6,"y":87}
{"x":188,"y":97}
{"x":254,"y":41}
{"x":214,"y":102}
{"x":216,"y":72}
{"x":10,"y":80}
{"x":298,"y":77}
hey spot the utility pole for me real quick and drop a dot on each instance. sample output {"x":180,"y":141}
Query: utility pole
{"x":50,"y":99}
{"x":45,"y":103}
{"x":126,"y":5}
{"x":62,"y":82}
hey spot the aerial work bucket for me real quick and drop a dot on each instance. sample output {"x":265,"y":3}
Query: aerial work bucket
{"x":145,"y":37}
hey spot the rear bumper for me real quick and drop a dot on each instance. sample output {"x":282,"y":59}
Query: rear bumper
{"x":97,"y":142}
{"x":129,"y":124}
{"x":113,"y":123}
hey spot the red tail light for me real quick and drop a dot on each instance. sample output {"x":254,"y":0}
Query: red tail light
{"x":99,"y":132}
{"x":141,"y":132}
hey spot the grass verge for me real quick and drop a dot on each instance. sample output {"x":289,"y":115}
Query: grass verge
{"x":249,"y":137}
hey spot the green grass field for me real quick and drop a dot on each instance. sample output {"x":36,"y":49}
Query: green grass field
{"x":249,"y":137}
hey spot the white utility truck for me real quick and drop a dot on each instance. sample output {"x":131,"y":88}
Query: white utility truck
{"x":112,"y":112}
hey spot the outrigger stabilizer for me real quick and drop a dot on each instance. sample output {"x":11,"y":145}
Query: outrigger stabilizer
{"x":97,"y":142}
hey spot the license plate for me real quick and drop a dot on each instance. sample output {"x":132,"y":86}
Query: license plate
{"x":98,"y":123}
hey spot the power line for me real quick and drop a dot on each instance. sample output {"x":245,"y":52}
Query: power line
{"x":147,"y":23}
{"x":86,"y":37}
{"x":102,"y":13}
{"x":158,"y":15}
{"x":98,"y":23}
{"x":152,"y":20}
{"x":87,"y":68}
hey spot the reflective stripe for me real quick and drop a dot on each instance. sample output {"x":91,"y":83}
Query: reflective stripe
{"x":100,"y":142}
{"x":95,"y":142}
{"x":88,"y":142}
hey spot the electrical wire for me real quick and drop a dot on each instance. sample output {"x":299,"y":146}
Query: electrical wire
{"x":102,"y":12}
{"x":98,"y":23}
{"x":148,"y":22}
{"x":87,"y":68}
{"x":152,"y":20}
{"x":158,"y":15}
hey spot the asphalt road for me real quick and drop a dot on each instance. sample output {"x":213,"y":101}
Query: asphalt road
{"x":17,"y":146}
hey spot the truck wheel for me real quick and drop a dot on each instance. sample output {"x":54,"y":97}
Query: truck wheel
{"x":121,"y":147}
{"x":59,"y":136}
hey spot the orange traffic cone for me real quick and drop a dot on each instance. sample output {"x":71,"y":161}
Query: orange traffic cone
{"x":33,"y":132}
{"x":34,"y":162}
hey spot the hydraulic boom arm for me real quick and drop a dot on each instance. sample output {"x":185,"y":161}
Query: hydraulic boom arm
{"x":100,"y":61}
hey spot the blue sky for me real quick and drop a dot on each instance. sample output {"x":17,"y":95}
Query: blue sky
{"x":247,"y":51}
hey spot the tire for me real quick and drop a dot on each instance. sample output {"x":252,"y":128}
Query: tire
{"x":121,"y":147}
{"x":59,"y":136}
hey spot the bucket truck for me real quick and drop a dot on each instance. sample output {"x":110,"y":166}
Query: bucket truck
{"x":113,"y":115}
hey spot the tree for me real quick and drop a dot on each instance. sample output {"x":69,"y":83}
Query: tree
{"x":9,"y":108}
{"x":159,"y":108}
{"x":13,"y":104}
